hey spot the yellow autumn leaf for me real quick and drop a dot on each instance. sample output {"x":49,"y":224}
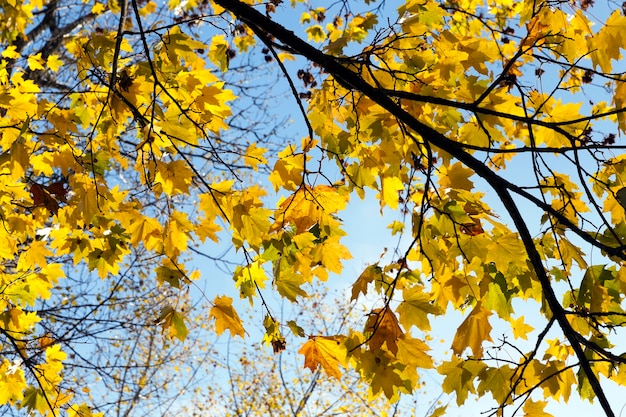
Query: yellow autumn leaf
{"x":287,"y":171}
{"x":172,"y":322}
{"x":413,"y":351}
{"x":504,"y":250}
{"x":439,"y":411}
{"x":331,"y":253}
{"x":12,"y":381}
{"x":386,"y":378}
{"x":175,"y":177}
{"x":474,"y":330}
{"x":54,"y":62}
{"x":415,"y":308}
{"x":207,"y":229}
{"x":310,"y":205}
{"x":456,"y":177}
{"x":369,"y":275}
{"x":226,"y":318}
{"x":82,"y":410}
{"x":35,"y":256}
{"x":520,"y":328}
{"x":254,"y":156}
{"x":316,"y":33}
{"x":327,"y":352}
{"x":535,"y":409}
{"x":10,"y":52}
{"x":23,"y":106}
{"x":218,"y":52}
{"x":391,"y":187}
{"x":176,"y":234}
{"x":147,"y":230}
{"x":98,"y":8}
{"x":35,"y":62}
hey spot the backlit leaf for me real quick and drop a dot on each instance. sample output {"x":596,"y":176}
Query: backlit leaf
{"x":226,"y":318}
{"x":326,"y":352}
{"x":474,"y":330}
{"x":382,"y":328}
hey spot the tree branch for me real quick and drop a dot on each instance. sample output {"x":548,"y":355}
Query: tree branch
{"x":262,"y":25}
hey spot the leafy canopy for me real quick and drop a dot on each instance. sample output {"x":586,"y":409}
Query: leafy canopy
{"x":488,"y":131}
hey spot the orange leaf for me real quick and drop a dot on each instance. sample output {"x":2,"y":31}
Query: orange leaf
{"x":383,"y":324}
{"x":325,"y":351}
{"x":472,"y":229}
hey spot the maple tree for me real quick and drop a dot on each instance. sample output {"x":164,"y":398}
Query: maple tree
{"x":491,"y":130}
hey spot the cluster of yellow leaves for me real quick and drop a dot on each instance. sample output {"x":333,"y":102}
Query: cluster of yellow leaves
{"x":443,"y":61}
{"x":383,"y":354}
{"x":59,"y":201}
{"x":26,"y":273}
{"x":455,"y":68}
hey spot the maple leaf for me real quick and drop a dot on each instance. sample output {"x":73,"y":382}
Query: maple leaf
{"x":415,"y":307}
{"x":249,"y":278}
{"x":208,"y":229}
{"x":456,"y":177}
{"x":391,"y":187}
{"x":295,"y":329}
{"x":289,"y":285}
{"x":13,"y":383}
{"x":497,"y":382}
{"x":520,"y":328}
{"x":175,"y":177}
{"x":459,"y":377}
{"x":535,"y":409}
{"x":35,"y":400}
{"x":287,"y":171}
{"x":474,"y":330}
{"x":178,"y":329}
{"x":226,"y":318}
{"x":330,"y":254}
{"x":34,"y":256}
{"x":170,"y":274}
{"x":383,"y":328}
{"x":439,"y":411}
{"x":254,"y":156}
{"x":327,"y":352}
{"x":413,"y":351}
{"x":309,"y":206}
{"x":173,"y":322}
{"x":273,"y":335}
{"x":218,"y":52}
{"x":146,"y":230}
{"x":505,"y":250}
{"x":370,"y":274}
{"x":387,"y":379}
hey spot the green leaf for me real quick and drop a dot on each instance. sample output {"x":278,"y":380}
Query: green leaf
{"x":295,"y":329}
